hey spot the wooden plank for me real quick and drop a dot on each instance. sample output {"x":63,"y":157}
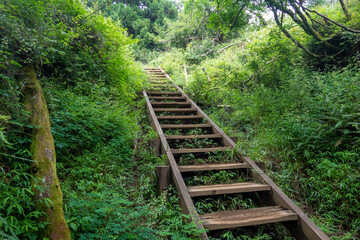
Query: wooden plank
{"x":219,"y":189}
{"x":163,"y":176}
{"x":167,"y":98}
{"x":162,"y":85}
{"x":187,"y":117}
{"x":211,"y":167}
{"x":184,"y":126}
{"x":171,"y":137}
{"x":199,"y":150}
{"x":248,"y":217}
{"x":157,"y":81}
{"x":178,"y":110}
{"x":170,"y":104}
{"x":163,"y":93}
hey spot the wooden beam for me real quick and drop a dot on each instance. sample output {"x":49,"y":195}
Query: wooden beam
{"x":163,"y":176}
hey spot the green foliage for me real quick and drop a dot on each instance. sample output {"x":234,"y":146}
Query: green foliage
{"x":80,"y":123}
{"x":303,"y":122}
{"x":110,"y":195}
{"x":84,"y":62}
{"x":17,"y":214}
{"x":144,"y":19}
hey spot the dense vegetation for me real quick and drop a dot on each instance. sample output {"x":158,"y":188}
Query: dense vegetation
{"x":297,"y":113}
{"x":282,"y":75}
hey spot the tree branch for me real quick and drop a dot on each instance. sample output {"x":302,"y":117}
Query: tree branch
{"x":237,"y":16}
{"x":332,"y":21}
{"x":222,"y":49}
{"x":288,"y":35}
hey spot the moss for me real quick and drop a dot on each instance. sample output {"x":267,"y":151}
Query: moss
{"x":43,"y":153}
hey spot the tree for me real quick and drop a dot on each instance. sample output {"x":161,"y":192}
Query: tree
{"x":143,"y":19}
{"x":49,"y":198}
{"x":344,"y":8}
{"x":314,"y":24}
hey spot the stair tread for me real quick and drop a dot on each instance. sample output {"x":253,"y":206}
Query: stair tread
{"x":167,"y":98}
{"x":218,"y":189}
{"x":178,"y":110}
{"x":199,"y":150}
{"x":247,"y":217}
{"x":180,"y":117}
{"x":209,"y":167}
{"x":171,"y":103}
{"x":177,"y":126}
{"x":163,"y":93}
{"x":170,"y":137}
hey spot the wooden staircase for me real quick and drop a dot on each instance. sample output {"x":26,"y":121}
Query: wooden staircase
{"x":170,"y":103}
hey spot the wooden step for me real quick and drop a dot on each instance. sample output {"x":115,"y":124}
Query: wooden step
{"x":185,"y":126}
{"x":180,"y":117}
{"x":219,"y":189}
{"x":173,"y":137}
{"x":248,"y":217}
{"x":171,"y":104}
{"x":199,"y":150}
{"x":167,"y":98}
{"x":175,"y":110}
{"x":161,"y":83}
{"x":163,"y":93}
{"x":161,"y":89}
{"x":211,"y":167}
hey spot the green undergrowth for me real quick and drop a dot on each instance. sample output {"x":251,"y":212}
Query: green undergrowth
{"x":227,"y":156}
{"x":262,"y":232}
{"x":217,"y":177}
{"x":110,"y":189}
{"x":194,"y":143}
{"x":224,"y":203}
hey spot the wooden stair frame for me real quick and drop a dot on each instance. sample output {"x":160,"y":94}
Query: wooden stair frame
{"x":302,"y":228}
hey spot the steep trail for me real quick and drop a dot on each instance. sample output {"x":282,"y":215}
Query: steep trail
{"x":195,"y":145}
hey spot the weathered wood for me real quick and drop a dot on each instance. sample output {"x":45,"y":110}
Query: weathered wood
{"x":248,"y":217}
{"x":178,"y":110}
{"x":167,"y":98}
{"x":170,"y":104}
{"x":219,"y":189}
{"x":163,"y":176}
{"x":186,"y":117}
{"x":157,"y":76}
{"x":163,"y":93}
{"x":199,"y":150}
{"x":185,"y":126}
{"x":172,"y":137}
{"x":155,"y":146}
{"x":212,"y":167}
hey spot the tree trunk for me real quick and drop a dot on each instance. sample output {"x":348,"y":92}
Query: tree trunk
{"x":43,"y":166}
{"x":343,"y":5}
